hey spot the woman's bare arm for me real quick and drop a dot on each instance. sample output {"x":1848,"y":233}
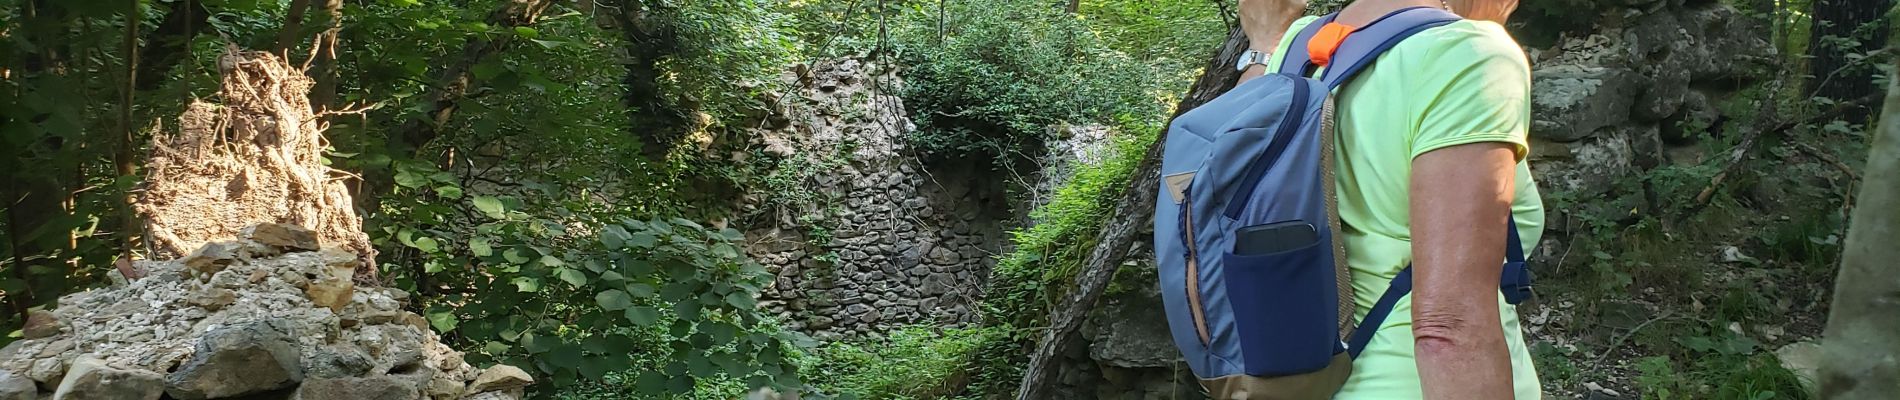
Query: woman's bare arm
{"x":1461,"y":197}
{"x":1265,"y":22}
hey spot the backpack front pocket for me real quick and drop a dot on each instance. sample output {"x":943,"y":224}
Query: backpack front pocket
{"x":1285,"y":309}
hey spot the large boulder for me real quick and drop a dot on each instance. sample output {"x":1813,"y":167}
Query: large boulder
{"x":240,"y":359}
{"x":1124,"y":332}
{"x":1571,"y":102}
{"x":367,"y":388}
{"x":91,"y":379}
{"x":16,"y":387}
{"x":500,"y":378}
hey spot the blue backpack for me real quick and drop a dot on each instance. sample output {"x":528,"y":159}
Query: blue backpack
{"x":1254,"y":166}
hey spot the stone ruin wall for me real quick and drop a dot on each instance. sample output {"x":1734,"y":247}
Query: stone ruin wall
{"x":887,"y":241}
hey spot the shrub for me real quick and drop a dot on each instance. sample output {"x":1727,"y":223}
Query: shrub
{"x":911,"y":363}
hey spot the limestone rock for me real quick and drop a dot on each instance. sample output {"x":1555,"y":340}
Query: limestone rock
{"x":92,"y":379}
{"x":16,"y":387}
{"x":284,"y":236}
{"x":515,"y":394}
{"x":333,"y":289}
{"x":48,"y":371}
{"x":41,"y":324}
{"x":239,"y":359}
{"x":500,"y":378}
{"x":1804,"y":359}
{"x":1572,"y":102}
{"x":212,"y":257}
{"x":337,"y":361}
{"x":366,"y":388}
{"x":1127,"y":334}
{"x":212,"y":299}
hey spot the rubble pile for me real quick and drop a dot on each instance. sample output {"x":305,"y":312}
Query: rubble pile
{"x":268,"y":316}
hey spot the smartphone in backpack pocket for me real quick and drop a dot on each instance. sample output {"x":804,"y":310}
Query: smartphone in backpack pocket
{"x":1274,"y":238}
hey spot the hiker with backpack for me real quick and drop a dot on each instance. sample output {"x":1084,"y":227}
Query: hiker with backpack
{"x":1350,"y":221}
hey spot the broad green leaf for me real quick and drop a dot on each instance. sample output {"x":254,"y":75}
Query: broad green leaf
{"x":515,"y":256}
{"x":594,"y":368}
{"x":612,"y":276}
{"x":681,"y":384}
{"x":741,"y":300}
{"x":407,"y":237}
{"x":643,"y":315}
{"x":443,"y":321}
{"x":537,"y":343}
{"x":685,"y":222}
{"x":614,"y":237}
{"x":565,"y":355}
{"x":687,"y":310}
{"x":650,"y":382}
{"x":723,"y":250}
{"x":571,"y":276}
{"x":676,"y":291}
{"x":408,"y":179}
{"x":614,"y":300}
{"x":448,"y":192}
{"x":642,"y":240}
{"x":494,"y":347}
{"x":640,"y":290}
{"x":480,"y":247}
{"x":595,"y":344}
{"x":699,"y":365}
{"x":427,"y":244}
{"x":527,"y":32}
{"x":552,"y":261}
{"x":619,"y":344}
{"x":490,"y":206}
{"x":526,"y":284}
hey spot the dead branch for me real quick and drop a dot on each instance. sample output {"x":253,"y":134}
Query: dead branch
{"x":1830,"y":160}
{"x":1752,"y":136}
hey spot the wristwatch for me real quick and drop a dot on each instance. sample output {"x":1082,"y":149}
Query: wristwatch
{"x":1250,"y":58}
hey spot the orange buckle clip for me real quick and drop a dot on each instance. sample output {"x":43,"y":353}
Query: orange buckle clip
{"x":1320,"y":49}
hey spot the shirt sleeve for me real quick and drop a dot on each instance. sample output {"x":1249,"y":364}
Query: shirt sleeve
{"x":1475,"y":86}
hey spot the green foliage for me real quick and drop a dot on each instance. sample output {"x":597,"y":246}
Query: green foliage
{"x":1174,"y":35}
{"x":1003,"y":72}
{"x":910,"y":363}
{"x":1049,"y":253}
{"x":519,"y":280}
{"x":728,"y":51}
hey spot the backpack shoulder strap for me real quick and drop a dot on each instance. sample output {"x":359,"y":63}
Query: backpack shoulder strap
{"x":1361,"y":46}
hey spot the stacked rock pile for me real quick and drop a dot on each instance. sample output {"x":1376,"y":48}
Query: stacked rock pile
{"x":268,"y":316}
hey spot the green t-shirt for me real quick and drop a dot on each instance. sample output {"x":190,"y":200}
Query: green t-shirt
{"x":1467,"y":82}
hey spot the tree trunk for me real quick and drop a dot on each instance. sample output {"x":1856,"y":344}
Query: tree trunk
{"x":1863,"y":336}
{"x":170,"y":43}
{"x":451,"y":85}
{"x":34,"y":199}
{"x":1135,"y":208}
{"x":1835,"y":75}
{"x":292,"y":31}
{"x":652,"y":119}
{"x":323,"y":68}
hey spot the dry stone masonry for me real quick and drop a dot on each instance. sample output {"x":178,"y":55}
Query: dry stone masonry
{"x":886,"y":241}
{"x":268,"y":316}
